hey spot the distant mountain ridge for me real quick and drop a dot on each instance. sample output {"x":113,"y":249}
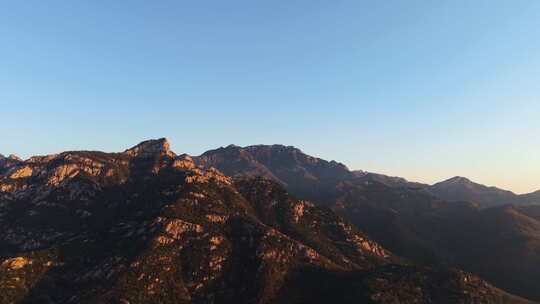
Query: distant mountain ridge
{"x":462,"y":189}
{"x":309,"y":176}
{"x":457,"y":188}
{"x":287,"y":164}
{"x":531,"y":198}
{"x":392,"y":181}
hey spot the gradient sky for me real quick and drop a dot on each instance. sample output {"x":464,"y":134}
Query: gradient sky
{"x":421,"y":89}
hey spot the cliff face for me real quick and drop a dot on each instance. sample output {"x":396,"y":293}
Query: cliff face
{"x":148,"y":226}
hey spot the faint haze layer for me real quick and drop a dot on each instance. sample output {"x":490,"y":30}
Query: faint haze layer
{"x":423,"y":90}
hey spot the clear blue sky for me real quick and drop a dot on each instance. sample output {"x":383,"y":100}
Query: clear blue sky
{"x":421,"y":89}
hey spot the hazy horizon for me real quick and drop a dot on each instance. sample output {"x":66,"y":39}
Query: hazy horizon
{"x":420,"y":90}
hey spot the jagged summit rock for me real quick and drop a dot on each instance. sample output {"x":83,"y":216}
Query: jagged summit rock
{"x":151,"y":148}
{"x":10,"y":156}
{"x":14,"y":157}
{"x":8,"y":162}
{"x":458,"y":179}
{"x":185,"y":156}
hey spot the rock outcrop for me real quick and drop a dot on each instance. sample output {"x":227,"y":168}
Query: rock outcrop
{"x":150,"y":148}
{"x":7,"y":162}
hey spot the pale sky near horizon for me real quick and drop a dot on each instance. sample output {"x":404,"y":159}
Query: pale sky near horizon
{"x":426,"y":90}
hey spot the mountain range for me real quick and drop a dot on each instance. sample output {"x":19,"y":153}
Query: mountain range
{"x":462,"y":189}
{"x":291,"y":167}
{"x":260,"y":224}
{"x":452,"y":223}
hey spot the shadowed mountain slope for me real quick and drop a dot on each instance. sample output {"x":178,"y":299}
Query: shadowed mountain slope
{"x":392,"y":181}
{"x":316,"y":179}
{"x":391,"y":284}
{"x":311,"y":178}
{"x":531,"y":198}
{"x":407,"y":218}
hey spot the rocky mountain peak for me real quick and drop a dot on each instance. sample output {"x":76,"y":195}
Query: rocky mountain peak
{"x":14,"y":157}
{"x":11,"y":156}
{"x":151,"y":148}
{"x":458,"y":179}
{"x":8,"y":162}
{"x":186,"y":157}
{"x":457,"y":182}
{"x":276,"y":148}
{"x":462,"y":189}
